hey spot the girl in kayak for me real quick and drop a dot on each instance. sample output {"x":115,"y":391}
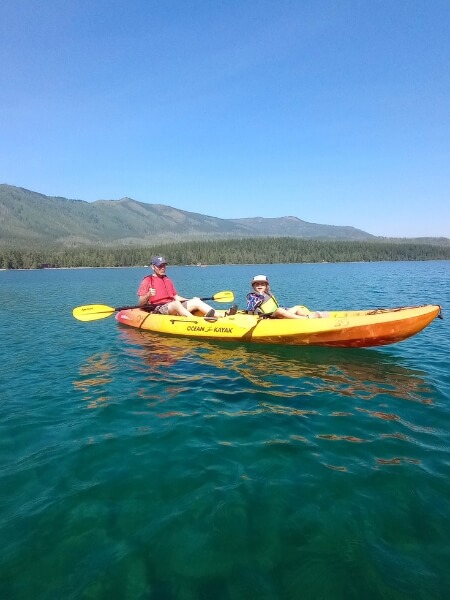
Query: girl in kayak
{"x":262,"y":302}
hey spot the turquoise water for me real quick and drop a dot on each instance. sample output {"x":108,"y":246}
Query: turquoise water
{"x":137,"y":466}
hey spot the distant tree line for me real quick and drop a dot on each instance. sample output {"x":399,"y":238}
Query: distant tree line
{"x":221,"y":252}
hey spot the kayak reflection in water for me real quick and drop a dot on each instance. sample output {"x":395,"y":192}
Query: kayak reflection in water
{"x":353,"y":376}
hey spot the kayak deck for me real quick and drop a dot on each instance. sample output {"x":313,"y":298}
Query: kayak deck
{"x":350,"y":329}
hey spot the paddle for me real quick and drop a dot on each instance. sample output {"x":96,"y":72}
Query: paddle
{"x":93,"y":312}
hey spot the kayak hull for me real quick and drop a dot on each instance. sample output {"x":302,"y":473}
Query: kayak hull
{"x":349,"y":329}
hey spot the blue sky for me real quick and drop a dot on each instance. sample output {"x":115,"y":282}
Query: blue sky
{"x":334,"y":111}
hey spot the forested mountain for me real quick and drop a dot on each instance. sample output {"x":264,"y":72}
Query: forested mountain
{"x":29,"y":218}
{"x":221,"y":252}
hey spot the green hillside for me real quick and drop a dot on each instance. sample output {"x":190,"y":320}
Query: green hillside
{"x":28,"y":217}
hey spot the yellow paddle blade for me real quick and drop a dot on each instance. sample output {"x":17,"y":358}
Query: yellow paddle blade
{"x":92,"y":312}
{"x":226,"y":296}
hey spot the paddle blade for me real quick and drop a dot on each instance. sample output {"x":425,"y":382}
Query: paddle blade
{"x":92,"y":312}
{"x":226,"y":296}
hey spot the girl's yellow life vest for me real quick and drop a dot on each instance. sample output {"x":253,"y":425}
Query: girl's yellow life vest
{"x":269,"y":305}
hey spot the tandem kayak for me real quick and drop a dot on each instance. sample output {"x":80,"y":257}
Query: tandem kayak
{"x":348,"y":329}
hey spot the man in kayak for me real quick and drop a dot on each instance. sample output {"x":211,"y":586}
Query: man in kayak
{"x":262,"y":302}
{"x":158,"y":293}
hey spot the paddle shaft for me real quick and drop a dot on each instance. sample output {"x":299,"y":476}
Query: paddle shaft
{"x":150,"y":304}
{"x":92,"y":312}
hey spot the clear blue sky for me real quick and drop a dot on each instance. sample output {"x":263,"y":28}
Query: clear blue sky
{"x":334,"y":111}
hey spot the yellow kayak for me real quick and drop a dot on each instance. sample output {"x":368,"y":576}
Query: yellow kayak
{"x":348,"y":329}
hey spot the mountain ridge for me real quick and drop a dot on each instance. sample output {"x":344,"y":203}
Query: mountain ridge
{"x":31,"y":217}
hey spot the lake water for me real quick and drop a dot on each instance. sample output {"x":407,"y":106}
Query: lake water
{"x":138,"y":466}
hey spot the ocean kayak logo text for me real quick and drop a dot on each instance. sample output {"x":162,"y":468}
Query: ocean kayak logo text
{"x":208,"y":329}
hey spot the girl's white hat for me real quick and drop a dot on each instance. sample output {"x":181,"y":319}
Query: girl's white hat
{"x":260,"y":279}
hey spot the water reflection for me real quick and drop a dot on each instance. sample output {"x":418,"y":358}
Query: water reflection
{"x":360,"y":373}
{"x":94,"y":376}
{"x":340,"y":405}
